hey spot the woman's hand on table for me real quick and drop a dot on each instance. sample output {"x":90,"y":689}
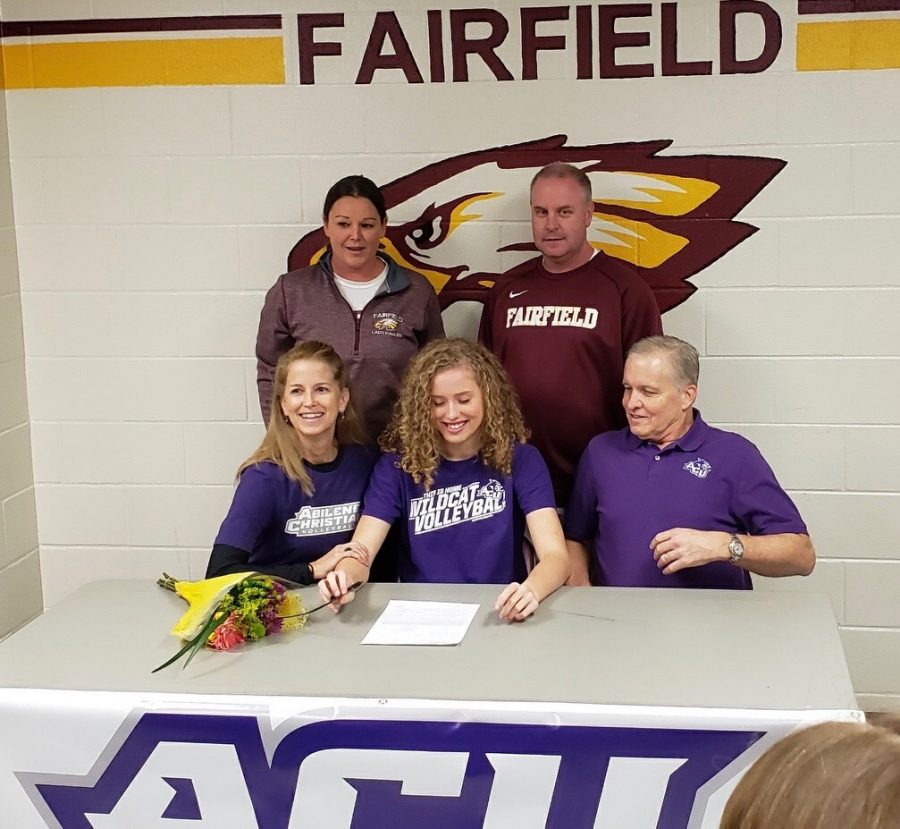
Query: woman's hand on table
{"x":335,"y":589}
{"x":350,"y":549}
{"x":516,"y":602}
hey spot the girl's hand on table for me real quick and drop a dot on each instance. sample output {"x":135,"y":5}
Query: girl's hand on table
{"x":516,"y":602}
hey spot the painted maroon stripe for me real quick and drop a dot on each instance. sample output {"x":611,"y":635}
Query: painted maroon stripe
{"x":846,"y":6}
{"x":37,"y":28}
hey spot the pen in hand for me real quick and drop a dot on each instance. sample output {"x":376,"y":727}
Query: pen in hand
{"x":351,"y":589}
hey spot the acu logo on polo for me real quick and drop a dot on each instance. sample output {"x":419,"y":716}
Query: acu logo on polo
{"x":699,"y":468}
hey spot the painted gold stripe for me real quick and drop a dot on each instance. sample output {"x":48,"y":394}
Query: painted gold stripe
{"x":848,"y":44}
{"x":846,"y":6}
{"x":194,"y":61}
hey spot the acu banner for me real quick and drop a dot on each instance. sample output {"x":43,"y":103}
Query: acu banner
{"x":107,"y":760}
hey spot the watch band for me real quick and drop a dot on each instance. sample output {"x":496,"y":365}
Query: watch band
{"x":735,"y":548}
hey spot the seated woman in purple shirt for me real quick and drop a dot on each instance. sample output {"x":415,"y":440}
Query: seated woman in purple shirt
{"x":297,"y":501}
{"x":459,"y":476}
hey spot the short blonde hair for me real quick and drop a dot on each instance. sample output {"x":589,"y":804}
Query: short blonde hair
{"x":412,"y":433}
{"x":835,"y":775}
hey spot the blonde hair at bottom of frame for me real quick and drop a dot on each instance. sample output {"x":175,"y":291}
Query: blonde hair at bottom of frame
{"x":834,"y":775}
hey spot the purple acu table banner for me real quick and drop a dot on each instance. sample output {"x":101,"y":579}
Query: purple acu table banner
{"x":78,"y":760}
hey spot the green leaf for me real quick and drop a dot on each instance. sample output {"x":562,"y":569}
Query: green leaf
{"x":183,"y":651}
{"x":207,"y":631}
{"x":196,"y":643}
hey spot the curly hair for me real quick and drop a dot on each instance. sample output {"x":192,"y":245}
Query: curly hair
{"x":281,"y":444}
{"x":412,"y":432}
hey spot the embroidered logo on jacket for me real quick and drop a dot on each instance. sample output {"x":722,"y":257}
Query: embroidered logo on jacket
{"x":385,"y":322}
{"x":700,"y":468}
{"x":332,"y":518}
{"x":454,"y":505}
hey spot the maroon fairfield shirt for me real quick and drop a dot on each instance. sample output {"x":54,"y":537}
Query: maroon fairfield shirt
{"x":563,"y":338}
{"x":627,"y":490}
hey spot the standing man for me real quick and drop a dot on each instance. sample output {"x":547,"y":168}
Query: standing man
{"x":562,"y":323}
{"x":671,"y":502}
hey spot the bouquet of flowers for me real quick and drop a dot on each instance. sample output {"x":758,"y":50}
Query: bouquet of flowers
{"x":228,"y":610}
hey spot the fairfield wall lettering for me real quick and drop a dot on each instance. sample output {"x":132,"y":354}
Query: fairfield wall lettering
{"x":456,"y":39}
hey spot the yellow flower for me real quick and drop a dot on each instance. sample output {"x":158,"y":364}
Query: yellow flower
{"x":292,"y":606}
{"x":203,"y":598}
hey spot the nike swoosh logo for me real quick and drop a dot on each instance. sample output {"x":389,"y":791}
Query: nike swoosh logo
{"x":514,"y":294}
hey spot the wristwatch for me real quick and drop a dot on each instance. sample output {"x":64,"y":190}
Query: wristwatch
{"x":736,"y":548}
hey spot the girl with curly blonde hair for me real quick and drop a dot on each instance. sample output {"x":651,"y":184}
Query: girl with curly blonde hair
{"x":457,"y":473}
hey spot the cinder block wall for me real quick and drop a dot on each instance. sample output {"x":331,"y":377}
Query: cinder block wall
{"x":20,"y":577}
{"x":151,"y":218}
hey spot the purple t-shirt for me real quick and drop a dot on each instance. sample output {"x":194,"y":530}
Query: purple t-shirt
{"x":272,"y":518}
{"x":468,"y":527}
{"x":628,"y":490}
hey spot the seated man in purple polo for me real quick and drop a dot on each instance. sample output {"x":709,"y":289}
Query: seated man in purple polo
{"x":672,"y":502}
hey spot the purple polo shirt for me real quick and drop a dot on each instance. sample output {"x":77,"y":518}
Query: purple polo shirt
{"x":467,"y":529}
{"x":627,"y":490}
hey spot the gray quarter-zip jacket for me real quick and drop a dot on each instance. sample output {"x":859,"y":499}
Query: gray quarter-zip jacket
{"x":376,"y":345}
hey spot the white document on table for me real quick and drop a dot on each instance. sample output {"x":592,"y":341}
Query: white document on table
{"x":421,"y":623}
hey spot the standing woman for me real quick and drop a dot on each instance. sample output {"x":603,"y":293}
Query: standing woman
{"x":298,"y":497}
{"x":376,"y":314}
{"x":459,"y":476}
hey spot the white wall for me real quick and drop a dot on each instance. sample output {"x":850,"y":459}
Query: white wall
{"x":20,"y":579}
{"x":150,"y":221}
